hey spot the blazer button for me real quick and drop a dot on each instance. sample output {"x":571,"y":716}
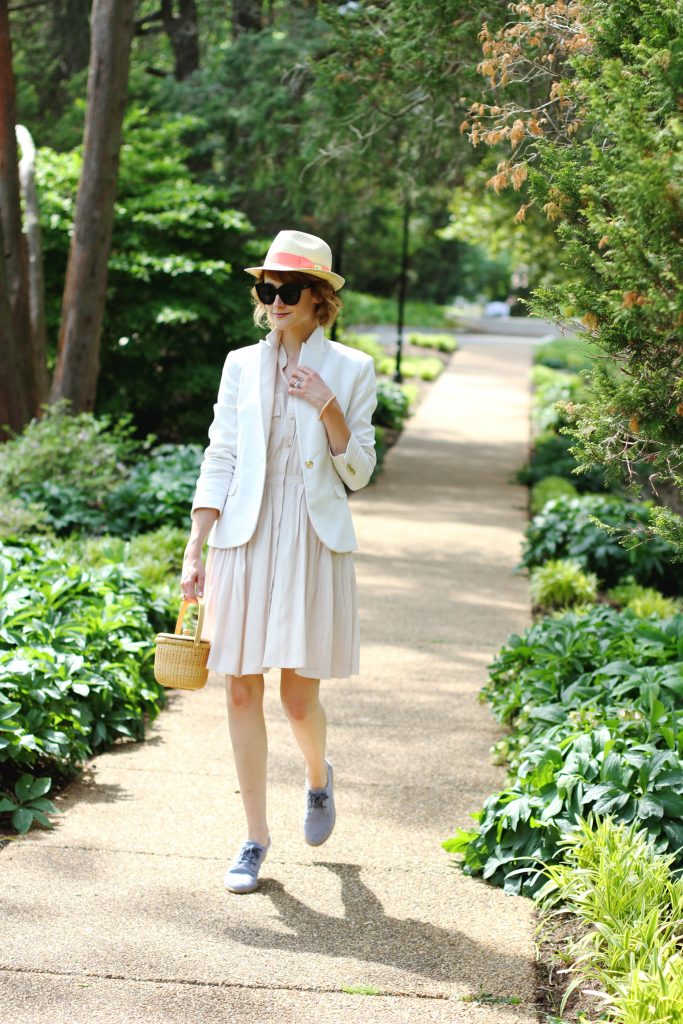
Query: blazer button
{"x":309,"y":464}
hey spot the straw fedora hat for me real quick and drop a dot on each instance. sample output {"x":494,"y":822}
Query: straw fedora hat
{"x":296,"y":250}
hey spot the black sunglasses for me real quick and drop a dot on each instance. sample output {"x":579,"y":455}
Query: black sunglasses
{"x":289,"y":293}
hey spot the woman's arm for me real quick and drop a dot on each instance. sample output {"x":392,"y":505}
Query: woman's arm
{"x":352,"y":436}
{"x":193,"y":574}
{"x":214,"y":479}
{"x":218,"y":463}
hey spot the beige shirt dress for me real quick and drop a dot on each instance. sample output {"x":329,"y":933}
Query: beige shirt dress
{"x":283,"y":599}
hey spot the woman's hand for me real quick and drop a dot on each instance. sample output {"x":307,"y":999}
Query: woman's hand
{"x":312,"y":388}
{"x":309,"y":385}
{"x":193,"y":575}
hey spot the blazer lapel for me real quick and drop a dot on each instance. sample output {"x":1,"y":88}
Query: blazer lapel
{"x":267,"y":370}
{"x":313,"y":354}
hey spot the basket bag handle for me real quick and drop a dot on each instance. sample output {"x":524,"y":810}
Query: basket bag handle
{"x":186,"y":602}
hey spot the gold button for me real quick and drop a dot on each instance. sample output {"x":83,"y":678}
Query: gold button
{"x":351,"y":469}
{"x":308,"y":463}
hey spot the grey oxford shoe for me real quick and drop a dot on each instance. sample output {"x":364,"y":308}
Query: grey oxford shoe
{"x":243,"y":875}
{"x":320,"y":813}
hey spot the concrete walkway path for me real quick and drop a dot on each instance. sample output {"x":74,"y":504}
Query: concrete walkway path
{"x":119,"y":914}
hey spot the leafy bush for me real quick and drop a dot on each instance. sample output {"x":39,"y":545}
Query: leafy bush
{"x":565,"y":529}
{"x":393,"y":405}
{"x":560,"y":583}
{"x":552,"y":386}
{"x":551,"y":457}
{"x":158,"y":490}
{"x":596,"y":707}
{"x":16,"y":518}
{"x":360,"y":308}
{"x":155,"y":557}
{"x":44,"y":465}
{"x":440,"y":342}
{"x":547,"y":489}
{"x":76,"y":659}
{"x":612,"y":880}
{"x":613,"y":189}
{"x":128,"y":487}
{"x":565,"y":354}
{"x":365,"y":343}
{"x":642,"y":601}
{"x":29,"y":801}
{"x":380,"y":451}
{"x":424,"y":367}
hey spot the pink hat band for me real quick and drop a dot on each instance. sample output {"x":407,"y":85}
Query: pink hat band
{"x":292,"y":259}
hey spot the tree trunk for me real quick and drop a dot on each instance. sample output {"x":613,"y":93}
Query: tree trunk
{"x":181,"y":29}
{"x":18,"y":396}
{"x":247,"y":16}
{"x":36,"y":284}
{"x":86,"y":274}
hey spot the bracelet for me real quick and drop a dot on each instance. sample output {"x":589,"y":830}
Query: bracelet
{"x":320,"y":414}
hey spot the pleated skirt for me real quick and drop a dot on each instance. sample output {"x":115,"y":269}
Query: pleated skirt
{"x":283,"y":600}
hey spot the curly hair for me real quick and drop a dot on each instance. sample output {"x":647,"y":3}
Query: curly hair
{"x":327,"y":309}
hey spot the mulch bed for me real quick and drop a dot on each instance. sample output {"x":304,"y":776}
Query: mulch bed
{"x":556,"y":933}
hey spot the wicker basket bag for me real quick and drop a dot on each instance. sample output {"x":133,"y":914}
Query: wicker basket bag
{"x":180,"y":658}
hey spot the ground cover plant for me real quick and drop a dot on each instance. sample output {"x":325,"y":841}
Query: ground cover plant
{"x":571,"y":353}
{"x":628,"y":903}
{"x":566,"y":528}
{"x":360,"y":308}
{"x":393,"y":405}
{"x":76,"y":660}
{"x":562,"y":583}
{"x":546,"y":489}
{"x":595,"y":707}
{"x":424,"y":367}
{"x":440,"y":342}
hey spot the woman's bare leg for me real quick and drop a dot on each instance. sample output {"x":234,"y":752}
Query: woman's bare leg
{"x":300,"y":699}
{"x":250,"y":748}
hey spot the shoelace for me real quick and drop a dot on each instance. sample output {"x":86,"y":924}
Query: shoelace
{"x":317,"y":801}
{"x":249,"y":855}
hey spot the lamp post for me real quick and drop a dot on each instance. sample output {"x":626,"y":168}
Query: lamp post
{"x":398,"y":376}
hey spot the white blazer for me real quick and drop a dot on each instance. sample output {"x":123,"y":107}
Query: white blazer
{"x":233,"y":470}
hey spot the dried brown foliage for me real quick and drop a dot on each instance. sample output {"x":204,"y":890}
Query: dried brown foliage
{"x":531,"y":53}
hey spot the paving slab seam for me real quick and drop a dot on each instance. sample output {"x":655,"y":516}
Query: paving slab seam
{"x":448,"y":865}
{"x":256,"y":987}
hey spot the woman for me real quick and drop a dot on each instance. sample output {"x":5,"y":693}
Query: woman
{"x":292,"y":426}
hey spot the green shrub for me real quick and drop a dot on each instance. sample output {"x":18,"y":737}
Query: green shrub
{"x":28,"y":802}
{"x":157,"y":491}
{"x":612,"y":880}
{"x":547,"y":489}
{"x":380,"y":451}
{"x":424,"y":367}
{"x":155,"y":557}
{"x":44,"y":465}
{"x":360,"y":308}
{"x":440,"y":342}
{"x":551,"y":457}
{"x":393,"y":405}
{"x":561,"y":583}
{"x":642,"y":601}
{"x":565,"y":354}
{"x":365,"y":343}
{"x":552,"y":386}
{"x":18,"y":519}
{"x":76,"y":659}
{"x":595,"y":704}
{"x":565,"y":529}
